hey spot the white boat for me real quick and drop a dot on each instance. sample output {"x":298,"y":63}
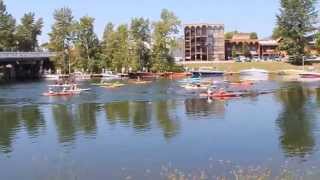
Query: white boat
{"x":254,"y":71}
{"x":80,"y":76}
{"x":53,"y":76}
{"x":108,"y":75}
{"x":254,"y":75}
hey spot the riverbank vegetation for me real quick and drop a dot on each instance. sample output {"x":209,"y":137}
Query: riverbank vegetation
{"x":140,"y":45}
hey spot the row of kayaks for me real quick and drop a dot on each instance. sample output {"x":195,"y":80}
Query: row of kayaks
{"x":73,"y":89}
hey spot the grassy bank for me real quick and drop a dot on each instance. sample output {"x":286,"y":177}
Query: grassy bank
{"x":233,"y":67}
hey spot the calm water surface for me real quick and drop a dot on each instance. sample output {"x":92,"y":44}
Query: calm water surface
{"x":147,"y":131}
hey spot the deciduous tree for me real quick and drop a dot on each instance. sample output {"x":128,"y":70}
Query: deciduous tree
{"x":7,"y":29}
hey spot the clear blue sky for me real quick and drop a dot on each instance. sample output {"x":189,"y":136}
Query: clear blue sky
{"x":242,"y":15}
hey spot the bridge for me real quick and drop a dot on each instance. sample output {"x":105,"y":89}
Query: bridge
{"x":24,"y":65}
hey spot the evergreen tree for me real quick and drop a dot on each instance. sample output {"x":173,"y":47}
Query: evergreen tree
{"x":62,"y":37}
{"x":28,"y":31}
{"x":7,"y":29}
{"x":296,"y":19}
{"x":163,"y":40}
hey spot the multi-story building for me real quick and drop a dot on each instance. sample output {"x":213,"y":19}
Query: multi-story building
{"x":204,"y":42}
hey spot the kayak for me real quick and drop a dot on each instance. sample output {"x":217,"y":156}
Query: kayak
{"x":141,"y":82}
{"x":116,"y":85}
{"x":195,"y":87}
{"x":221,"y":95}
{"x":59,"y":94}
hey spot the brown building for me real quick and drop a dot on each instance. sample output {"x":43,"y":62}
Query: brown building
{"x":241,"y":44}
{"x":204,"y":42}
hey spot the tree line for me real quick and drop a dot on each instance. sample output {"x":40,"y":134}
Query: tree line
{"x":140,"y":45}
{"x":18,"y":37}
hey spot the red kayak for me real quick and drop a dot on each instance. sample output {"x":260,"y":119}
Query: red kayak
{"x":221,"y":95}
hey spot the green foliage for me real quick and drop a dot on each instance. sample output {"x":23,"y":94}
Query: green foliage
{"x":28,"y":31}
{"x":234,"y":52}
{"x":141,"y":38}
{"x":87,"y":45}
{"x":276,"y":33}
{"x":253,"y":35}
{"x":163,"y":37}
{"x":62,"y":37}
{"x":317,"y":40}
{"x":296,"y":19}
{"x":7,"y":29}
{"x":229,"y":35}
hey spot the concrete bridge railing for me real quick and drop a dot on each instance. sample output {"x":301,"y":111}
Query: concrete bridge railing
{"x":26,"y":55}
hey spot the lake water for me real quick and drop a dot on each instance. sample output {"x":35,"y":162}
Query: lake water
{"x":157,"y":131}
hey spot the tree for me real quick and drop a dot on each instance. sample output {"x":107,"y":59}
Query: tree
{"x":229,"y":35}
{"x":253,"y":35}
{"x":120,"y":56}
{"x":28,"y":31}
{"x":62,"y":36}
{"x":276,"y":33}
{"x":7,"y":29}
{"x":108,"y":45}
{"x":163,"y":38}
{"x":296,"y":19}
{"x":141,"y":37}
{"x":87,"y":43}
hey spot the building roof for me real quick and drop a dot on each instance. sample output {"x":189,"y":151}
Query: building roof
{"x":270,"y":42}
{"x":241,"y":36}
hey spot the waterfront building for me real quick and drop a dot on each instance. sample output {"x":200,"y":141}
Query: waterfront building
{"x":241,"y":44}
{"x":204,"y":42}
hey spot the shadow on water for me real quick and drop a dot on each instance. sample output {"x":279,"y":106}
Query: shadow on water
{"x":296,"y":122}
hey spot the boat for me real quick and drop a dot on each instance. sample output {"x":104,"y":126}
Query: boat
{"x":205,"y":72}
{"x":64,"y":90}
{"x":254,"y":72}
{"x":80,"y":76}
{"x":54,"y":76}
{"x":108,"y":75}
{"x":143,"y":75}
{"x":312,"y":75}
{"x":113,"y":85}
{"x":193,"y":86}
{"x":242,"y":84}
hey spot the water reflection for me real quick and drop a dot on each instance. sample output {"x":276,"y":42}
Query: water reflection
{"x":139,"y":115}
{"x":9,"y":125}
{"x":69,"y":119}
{"x":205,"y":107}
{"x":33,"y":119}
{"x":296,"y":122}
{"x":166,"y":120}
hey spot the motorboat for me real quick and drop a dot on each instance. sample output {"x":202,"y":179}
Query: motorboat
{"x":254,"y":72}
{"x":108,"y":75}
{"x":206,"y":72}
{"x":54,"y":76}
{"x":80,"y":76}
